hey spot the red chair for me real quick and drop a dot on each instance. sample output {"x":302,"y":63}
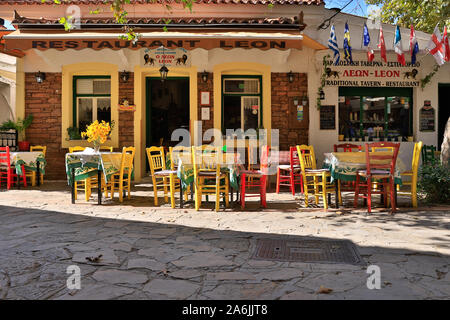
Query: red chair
{"x":347,"y":147}
{"x":379,"y":166}
{"x":259,"y":179}
{"x":7,"y":173}
{"x":290,"y":174}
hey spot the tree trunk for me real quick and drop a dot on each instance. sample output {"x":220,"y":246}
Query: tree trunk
{"x":445,"y":147}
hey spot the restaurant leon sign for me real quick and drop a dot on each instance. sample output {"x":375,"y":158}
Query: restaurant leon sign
{"x":178,"y":57}
{"x":115,"y":44}
{"x":371,"y":74}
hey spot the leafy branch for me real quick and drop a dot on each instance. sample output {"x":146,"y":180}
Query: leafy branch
{"x":322,"y":80}
{"x":427,"y":79}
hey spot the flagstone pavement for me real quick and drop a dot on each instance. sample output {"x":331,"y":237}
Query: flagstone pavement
{"x":138,"y":251}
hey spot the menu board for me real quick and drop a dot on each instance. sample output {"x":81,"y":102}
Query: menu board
{"x":327,"y":117}
{"x":426,"y":119}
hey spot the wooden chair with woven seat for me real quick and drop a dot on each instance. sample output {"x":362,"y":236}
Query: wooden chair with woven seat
{"x":412,"y":183}
{"x":290,"y":174}
{"x":32,"y":174}
{"x":259,"y":178}
{"x":346,"y":186}
{"x":380,"y":166}
{"x":208,"y":179}
{"x":122,"y":180}
{"x":162,"y":177}
{"x":82,"y":185}
{"x":316,"y":181}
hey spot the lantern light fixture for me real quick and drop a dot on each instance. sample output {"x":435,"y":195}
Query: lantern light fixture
{"x":125,"y":76}
{"x":40,"y":77}
{"x":205,"y":76}
{"x":290,"y":77}
{"x":322,"y":95}
{"x":163,"y":72}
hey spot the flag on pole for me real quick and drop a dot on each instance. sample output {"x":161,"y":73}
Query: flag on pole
{"x":398,"y":48}
{"x":413,"y":45}
{"x":435,"y":46}
{"x":347,"y":46}
{"x":446,"y":45}
{"x":382,"y":45}
{"x":366,"y":43}
{"x":332,"y":44}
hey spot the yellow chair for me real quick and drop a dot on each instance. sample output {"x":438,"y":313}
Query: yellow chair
{"x":162,"y":177}
{"x":183,"y":153}
{"x":315,"y":180}
{"x":76,"y":149}
{"x":412,"y":184}
{"x":32,"y":174}
{"x":207,"y":176}
{"x":122,"y":180}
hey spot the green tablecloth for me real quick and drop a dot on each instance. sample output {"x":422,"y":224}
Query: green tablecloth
{"x":29,"y":160}
{"x":87,"y":164}
{"x":343,"y":166}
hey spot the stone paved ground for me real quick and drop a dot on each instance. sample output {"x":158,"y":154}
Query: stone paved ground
{"x":158,"y":253}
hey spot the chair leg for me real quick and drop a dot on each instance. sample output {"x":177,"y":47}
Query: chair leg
{"x":217,"y":194}
{"x":87,"y":189}
{"x":24,"y":177}
{"x":339,"y":192}
{"x":243,"y":192}
{"x":263,"y":191}
{"x":316,"y":190}
{"x":324,"y":193}
{"x":155,"y":191}
{"x":33,"y":179}
{"x":197,"y":191}
{"x":392,"y":191}
{"x":120,"y":189}
{"x":113,"y":182}
{"x":414,"y":196}
{"x":172,"y":191}
{"x":129,"y":187}
{"x":227,"y":191}
{"x":369,"y":194}
{"x":291,"y":174}
{"x":278,"y":181}
{"x":166,"y":199}
{"x":355,"y":201}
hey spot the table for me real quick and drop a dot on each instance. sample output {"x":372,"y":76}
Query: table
{"x":85,"y":164}
{"x":343,"y":166}
{"x":30,"y":160}
{"x":230,"y":165}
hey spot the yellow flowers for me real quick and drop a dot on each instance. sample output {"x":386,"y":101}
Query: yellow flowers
{"x":97,"y":132}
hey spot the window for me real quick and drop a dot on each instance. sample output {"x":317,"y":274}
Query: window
{"x":241,"y":102}
{"x":375,"y":113}
{"x":92,"y":100}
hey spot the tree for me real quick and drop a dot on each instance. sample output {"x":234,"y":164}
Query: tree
{"x":424,"y":14}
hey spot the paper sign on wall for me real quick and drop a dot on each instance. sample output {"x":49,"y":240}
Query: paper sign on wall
{"x":178,"y":57}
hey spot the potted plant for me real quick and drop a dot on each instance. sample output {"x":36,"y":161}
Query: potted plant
{"x":20,"y":125}
{"x":74,"y":133}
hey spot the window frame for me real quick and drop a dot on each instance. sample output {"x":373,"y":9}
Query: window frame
{"x":259,"y":95}
{"x":76,"y":96}
{"x":379,"y":92}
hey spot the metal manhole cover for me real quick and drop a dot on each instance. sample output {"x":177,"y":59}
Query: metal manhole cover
{"x":308,"y":250}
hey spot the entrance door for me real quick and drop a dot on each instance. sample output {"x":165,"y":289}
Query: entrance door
{"x":444,"y":110}
{"x":167,"y":109}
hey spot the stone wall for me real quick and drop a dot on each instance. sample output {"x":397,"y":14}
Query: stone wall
{"x":284,"y":112}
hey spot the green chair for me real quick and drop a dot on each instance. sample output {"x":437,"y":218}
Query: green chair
{"x":429,"y":155}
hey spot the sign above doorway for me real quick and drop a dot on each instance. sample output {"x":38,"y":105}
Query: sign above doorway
{"x":158,"y":57}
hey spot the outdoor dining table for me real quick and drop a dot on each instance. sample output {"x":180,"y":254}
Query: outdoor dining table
{"x":230,"y":165}
{"x":344,"y":165}
{"x":88,"y":163}
{"x":30,"y":160}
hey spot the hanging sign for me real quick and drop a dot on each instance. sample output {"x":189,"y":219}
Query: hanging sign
{"x":178,"y":57}
{"x":299,"y":113}
{"x":426,"y":117}
{"x":363,"y":73}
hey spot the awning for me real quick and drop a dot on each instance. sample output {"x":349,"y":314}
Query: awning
{"x":188,"y":40}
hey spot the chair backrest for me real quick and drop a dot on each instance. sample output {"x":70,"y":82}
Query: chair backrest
{"x":177,"y":153}
{"x":127,"y":160}
{"x":346,"y":147}
{"x":155,"y":156}
{"x":375,"y":149}
{"x":377,"y":160}
{"x":307,"y":157}
{"x":264,"y":159}
{"x":76,"y":149}
{"x":416,"y":158}
{"x":4,"y":157}
{"x":43,"y":149}
{"x":293,"y":158}
{"x":206,"y":159}
{"x":106,"y":148}
{"x":428,"y":154}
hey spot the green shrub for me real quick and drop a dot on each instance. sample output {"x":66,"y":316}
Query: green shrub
{"x":434,"y":183}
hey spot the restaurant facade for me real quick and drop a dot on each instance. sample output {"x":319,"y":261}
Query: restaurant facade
{"x":231,"y":65}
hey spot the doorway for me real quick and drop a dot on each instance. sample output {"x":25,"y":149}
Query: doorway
{"x":167,"y":109}
{"x":443,"y":110}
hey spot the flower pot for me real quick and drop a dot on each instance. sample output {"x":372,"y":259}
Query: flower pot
{"x":24,"y":146}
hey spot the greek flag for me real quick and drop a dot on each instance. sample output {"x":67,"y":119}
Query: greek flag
{"x":347,"y":46}
{"x":332,"y":44}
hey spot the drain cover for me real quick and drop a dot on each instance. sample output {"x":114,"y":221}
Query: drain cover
{"x":308,"y":250}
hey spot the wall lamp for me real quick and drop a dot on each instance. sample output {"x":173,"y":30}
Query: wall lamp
{"x":125,"y":76}
{"x":163,"y":72}
{"x":290,"y":77}
{"x":322,"y":95}
{"x":205,"y":76}
{"x":40,"y":77}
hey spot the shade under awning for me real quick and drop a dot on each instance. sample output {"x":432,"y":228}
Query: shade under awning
{"x":187,"y":40}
